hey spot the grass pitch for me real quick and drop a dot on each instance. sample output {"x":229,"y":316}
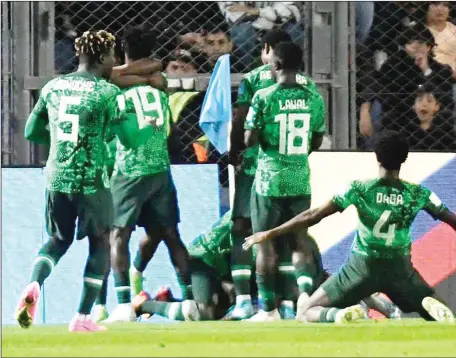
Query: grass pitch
{"x":412,"y":337}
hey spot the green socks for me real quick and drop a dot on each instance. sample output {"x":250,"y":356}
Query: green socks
{"x":266,"y":289}
{"x":328,"y":315}
{"x":171,"y":310}
{"x":122,"y":285}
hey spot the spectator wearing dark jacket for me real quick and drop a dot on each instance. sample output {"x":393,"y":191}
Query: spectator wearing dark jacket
{"x":403,"y":73}
{"x":429,"y":128}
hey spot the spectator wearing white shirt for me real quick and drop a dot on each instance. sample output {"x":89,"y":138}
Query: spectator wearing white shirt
{"x":248,"y":19}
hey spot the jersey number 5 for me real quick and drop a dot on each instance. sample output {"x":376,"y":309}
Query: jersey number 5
{"x":390,"y":234}
{"x":72,"y":136}
{"x":143,"y":107}
{"x":289,"y":132}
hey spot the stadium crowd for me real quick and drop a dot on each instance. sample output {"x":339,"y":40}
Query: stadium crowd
{"x":112,"y":141}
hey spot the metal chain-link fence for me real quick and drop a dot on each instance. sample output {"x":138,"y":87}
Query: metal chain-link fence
{"x":406,"y":73}
{"x":191,"y":36}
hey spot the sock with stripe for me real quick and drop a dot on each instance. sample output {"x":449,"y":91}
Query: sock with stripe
{"x":48,"y":256}
{"x":286,"y":281}
{"x":241,"y":268}
{"x":328,"y":315}
{"x":304,"y":278}
{"x":171,"y":310}
{"x":266,"y":289}
{"x":94,"y":273}
{"x":102,"y":296}
{"x":122,"y":285}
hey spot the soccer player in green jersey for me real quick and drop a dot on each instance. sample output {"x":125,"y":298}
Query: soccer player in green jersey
{"x":142,"y":187}
{"x":241,"y":261}
{"x":380,"y":260}
{"x":288,"y":121}
{"x":74,"y":114}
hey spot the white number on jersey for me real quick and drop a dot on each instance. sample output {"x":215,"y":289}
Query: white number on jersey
{"x":289,"y":131}
{"x":388,"y":236}
{"x":66,"y":101}
{"x":142,"y":105}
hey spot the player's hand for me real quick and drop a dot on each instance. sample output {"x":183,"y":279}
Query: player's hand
{"x":255,"y":239}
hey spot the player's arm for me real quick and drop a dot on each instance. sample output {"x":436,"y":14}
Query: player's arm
{"x":439,"y":211}
{"x":244,"y":99}
{"x":37,"y":125}
{"x":304,"y":220}
{"x":253,"y":122}
{"x":142,"y":67}
{"x":155,"y":80}
{"x":318,"y":122}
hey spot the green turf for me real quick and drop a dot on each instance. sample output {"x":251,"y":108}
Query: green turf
{"x":370,"y":338}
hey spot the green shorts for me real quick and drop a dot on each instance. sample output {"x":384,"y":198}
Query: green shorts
{"x":207,"y":287}
{"x":361,"y":276}
{"x":243,"y":184}
{"x":94,"y":213}
{"x":147,"y":201}
{"x":270,"y":212}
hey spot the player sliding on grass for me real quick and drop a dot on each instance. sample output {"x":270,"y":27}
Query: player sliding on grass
{"x":74,"y":114}
{"x":241,"y":261}
{"x":287,"y":120}
{"x":142,"y":187}
{"x":380,"y":260}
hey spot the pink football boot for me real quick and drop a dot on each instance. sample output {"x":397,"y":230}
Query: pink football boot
{"x":84,"y":323}
{"x":26,"y":307}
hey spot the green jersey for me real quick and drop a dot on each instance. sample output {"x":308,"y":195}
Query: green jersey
{"x":386,"y":210}
{"x":285,"y":118}
{"x":77,"y":109}
{"x":214,"y":246}
{"x":141,"y":103}
{"x":261,"y":78}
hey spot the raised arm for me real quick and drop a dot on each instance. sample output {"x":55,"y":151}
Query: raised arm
{"x":304,"y":220}
{"x":142,"y":67}
{"x":447,"y":217}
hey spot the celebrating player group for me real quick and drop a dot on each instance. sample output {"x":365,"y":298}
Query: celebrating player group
{"x":109,"y":168}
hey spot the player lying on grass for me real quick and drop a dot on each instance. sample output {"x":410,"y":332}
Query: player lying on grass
{"x":287,"y":120}
{"x":246,"y":163}
{"x":74,"y":114}
{"x":142,"y":186}
{"x":380,"y":260}
{"x":213,"y":286}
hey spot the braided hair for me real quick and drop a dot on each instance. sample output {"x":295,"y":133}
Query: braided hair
{"x":94,"y":44}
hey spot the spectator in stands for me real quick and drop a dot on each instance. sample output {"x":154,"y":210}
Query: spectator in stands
{"x":400,"y":77}
{"x":444,"y":33}
{"x":429,"y":128}
{"x":64,"y":52}
{"x":248,"y":19}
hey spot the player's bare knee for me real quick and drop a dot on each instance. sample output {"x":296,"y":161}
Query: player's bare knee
{"x":120,"y":237}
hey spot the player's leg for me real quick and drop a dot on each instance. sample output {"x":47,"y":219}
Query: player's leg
{"x":147,"y":247}
{"x":412,"y":293}
{"x":241,"y":260}
{"x":287,"y":289}
{"x":128,"y":194}
{"x":161,"y":212}
{"x":381,"y":304}
{"x":303,"y":248}
{"x":60,"y":218}
{"x":266,"y":213}
{"x":336,"y":299}
{"x":100,"y":312}
{"x":95,"y":214}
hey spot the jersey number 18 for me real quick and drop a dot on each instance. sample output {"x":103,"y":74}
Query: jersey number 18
{"x":289,"y":132}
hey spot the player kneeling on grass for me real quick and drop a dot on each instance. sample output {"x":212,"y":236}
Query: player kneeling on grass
{"x":211,"y":280}
{"x":74,"y":114}
{"x":380,"y":260}
{"x":143,"y":189}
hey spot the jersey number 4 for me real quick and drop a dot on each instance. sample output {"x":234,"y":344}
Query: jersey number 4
{"x":379,"y":225}
{"x":289,"y":132}
{"x":144,"y":109}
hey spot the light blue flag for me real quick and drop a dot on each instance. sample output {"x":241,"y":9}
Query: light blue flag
{"x":216,"y":111}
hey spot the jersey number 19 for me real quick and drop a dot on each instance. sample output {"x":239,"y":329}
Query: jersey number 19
{"x":143,"y":107}
{"x":289,"y":132}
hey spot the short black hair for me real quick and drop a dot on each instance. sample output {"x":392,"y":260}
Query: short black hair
{"x":419,"y":33}
{"x":427,"y":90}
{"x":139,"y":42}
{"x":289,"y":56}
{"x":391,"y":149}
{"x":94,"y":44}
{"x":274,"y":37}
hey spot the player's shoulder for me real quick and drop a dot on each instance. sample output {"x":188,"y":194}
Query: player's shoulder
{"x":417,"y":190}
{"x":267,"y":92}
{"x":258,"y":73}
{"x":49,"y":86}
{"x":107,"y":88}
